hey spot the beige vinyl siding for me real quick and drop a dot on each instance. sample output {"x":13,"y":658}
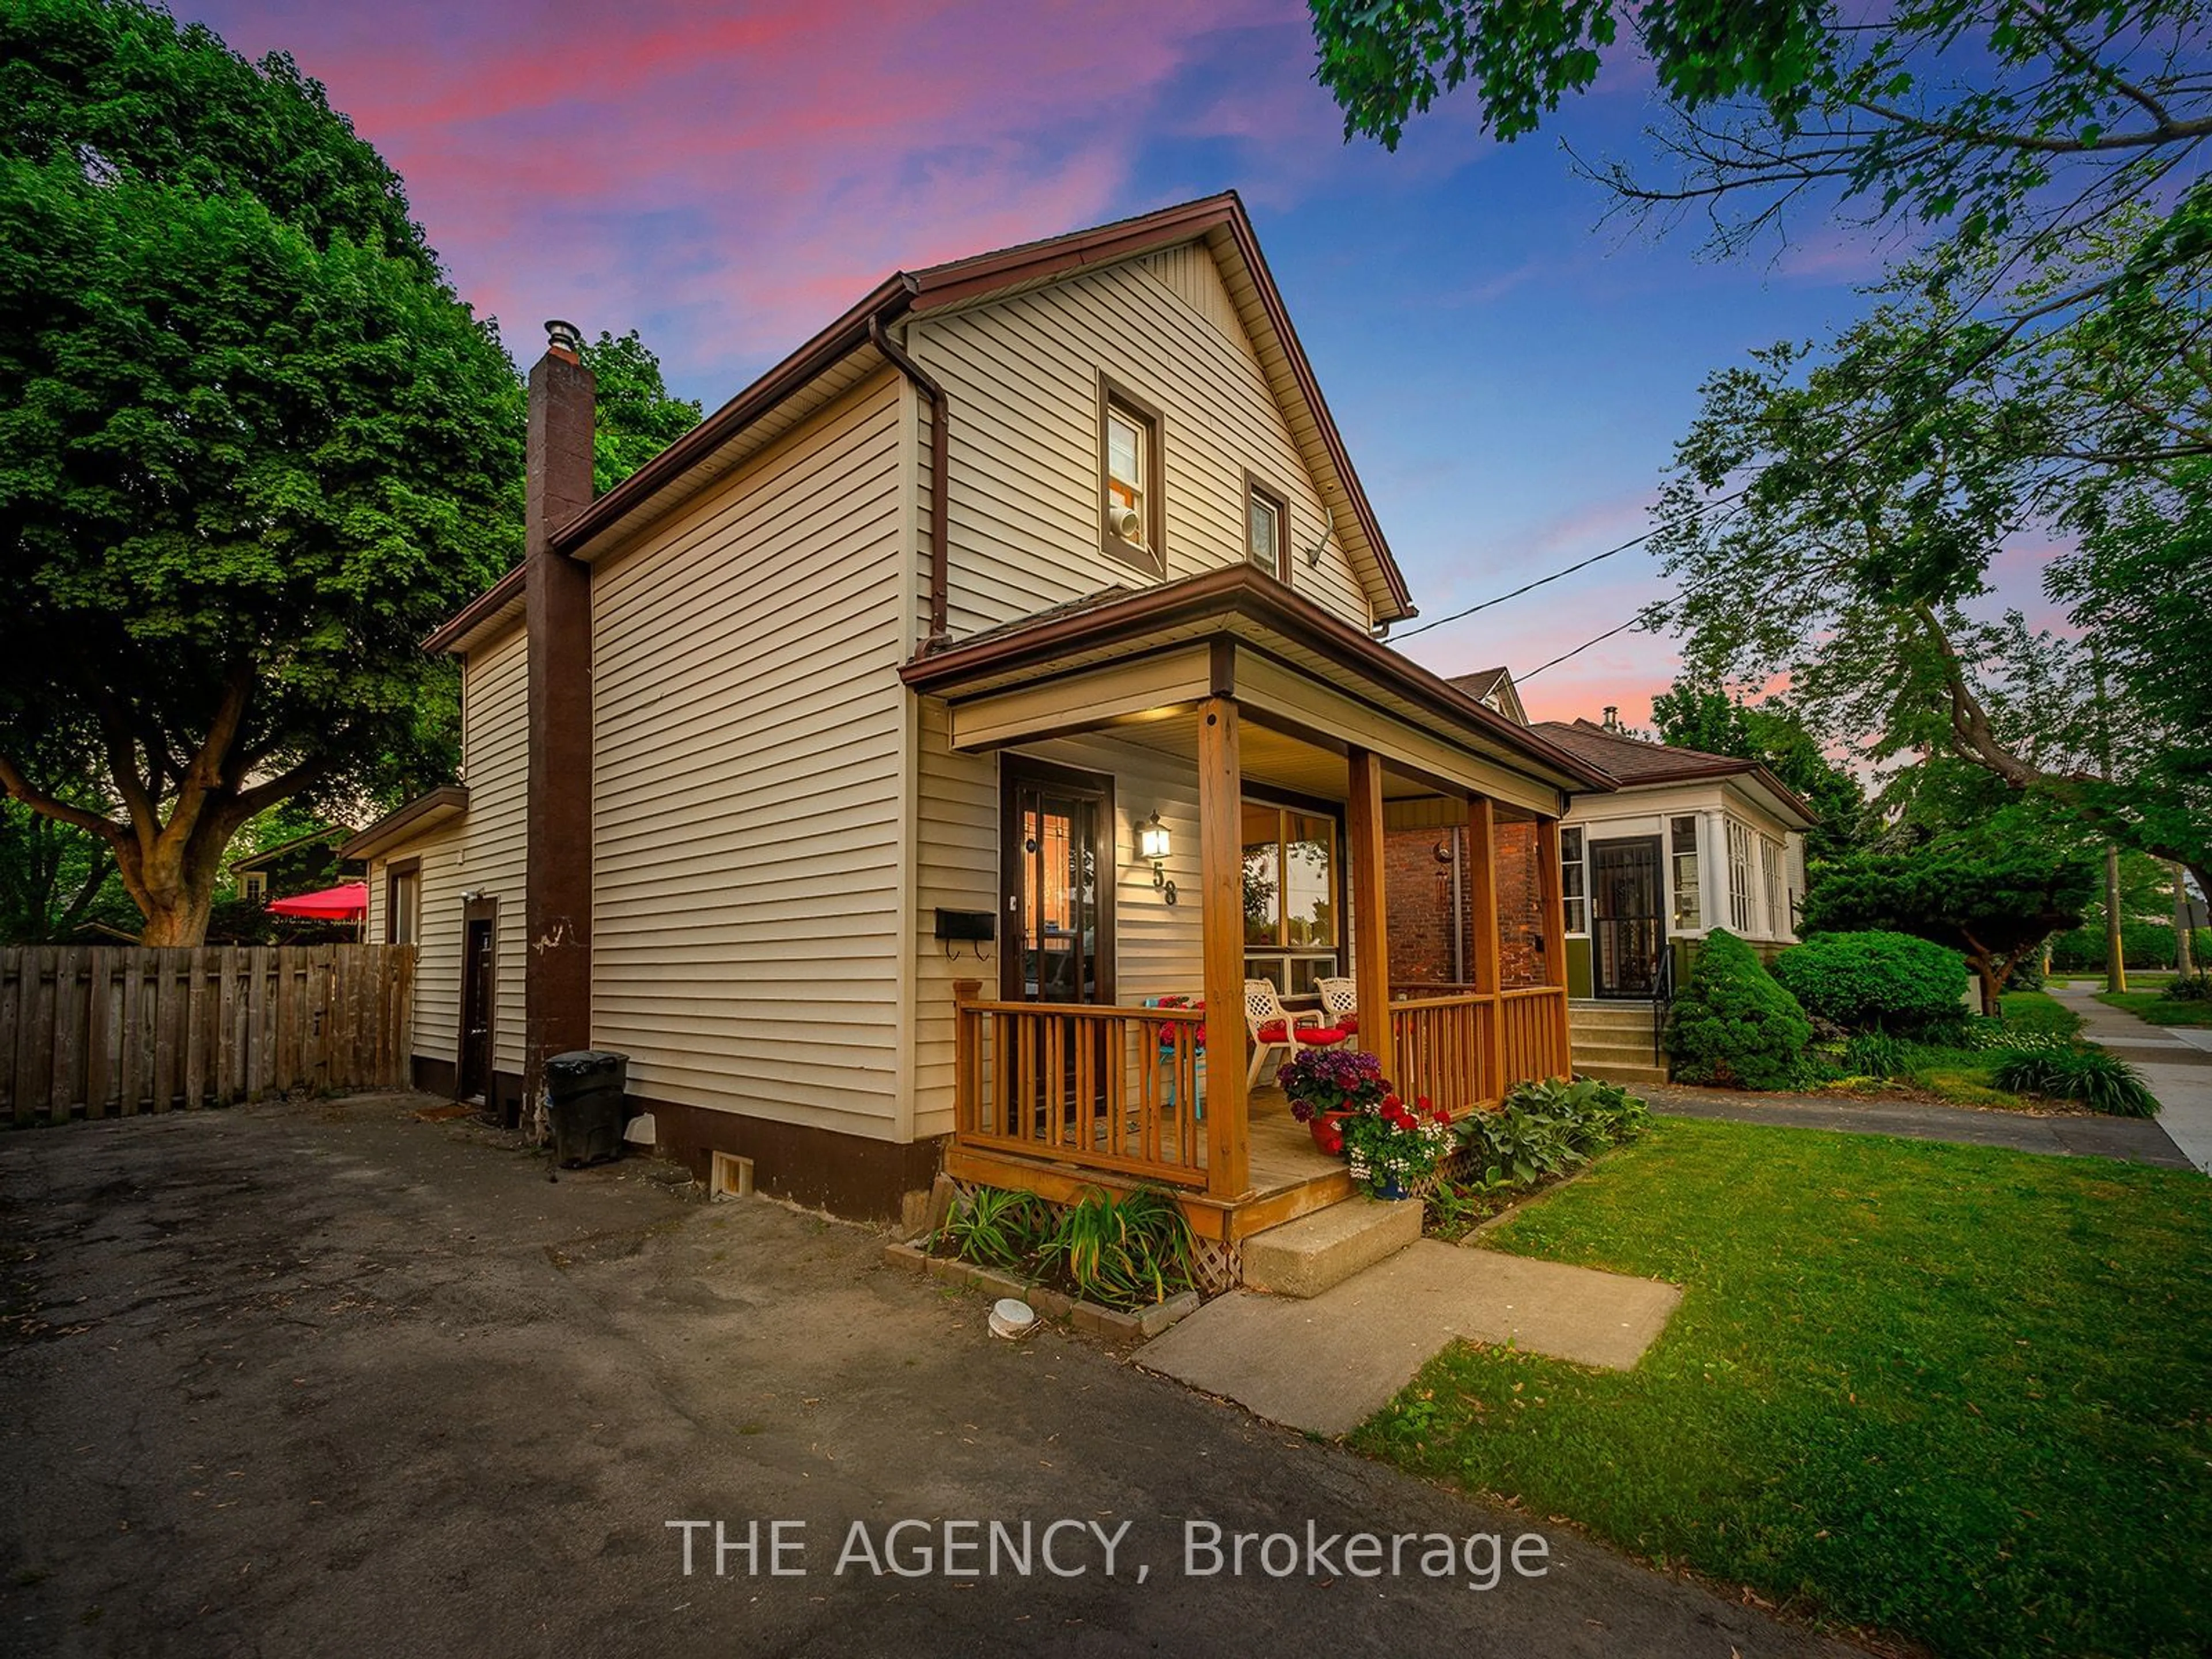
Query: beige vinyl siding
{"x":493,"y":845}
{"x":438,"y":953}
{"x":1157,"y":945}
{"x":1022,"y":373}
{"x":749,"y":783}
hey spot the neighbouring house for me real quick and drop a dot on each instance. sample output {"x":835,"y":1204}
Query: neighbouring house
{"x":1684,"y":842}
{"x":293,"y":865}
{"x":879,"y":766}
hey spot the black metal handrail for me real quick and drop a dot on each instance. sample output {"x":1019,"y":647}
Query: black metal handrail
{"x":1662,"y":998}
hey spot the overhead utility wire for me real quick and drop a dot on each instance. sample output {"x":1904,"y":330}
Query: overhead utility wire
{"x":1636,"y":621}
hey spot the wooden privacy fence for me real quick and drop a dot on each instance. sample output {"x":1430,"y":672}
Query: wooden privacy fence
{"x":107,"y":1031}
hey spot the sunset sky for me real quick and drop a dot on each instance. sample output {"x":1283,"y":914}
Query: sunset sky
{"x":1510,"y":374}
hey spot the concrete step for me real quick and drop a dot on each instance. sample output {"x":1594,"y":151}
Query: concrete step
{"x":1615,"y":1072}
{"x":1625,"y":1019}
{"x":1306,"y":1257}
{"x":1634,"y":1053}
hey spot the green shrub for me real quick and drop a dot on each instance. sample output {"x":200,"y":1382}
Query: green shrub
{"x":2101,"y":1081}
{"x":1127,"y":1252}
{"x":1876,"y":1053}
{"x":1733,"y":1024}
{"x":994,"y":1228}
{"x":2197,"y":987}
{"x":1889,"y":982}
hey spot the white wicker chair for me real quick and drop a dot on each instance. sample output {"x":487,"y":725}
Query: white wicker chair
{"x":1340,"y":1003}
{"x":1276,"y":1030}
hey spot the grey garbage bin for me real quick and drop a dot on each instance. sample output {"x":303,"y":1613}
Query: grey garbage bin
{"x":584,"y":1104}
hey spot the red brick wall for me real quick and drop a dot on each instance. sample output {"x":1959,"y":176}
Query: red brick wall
{"x":1520,"y":905}
{"x":1418,"y":888}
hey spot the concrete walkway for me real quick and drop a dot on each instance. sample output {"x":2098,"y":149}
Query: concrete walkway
{"x":2175,"y":1061}
{"x":1329,"y":1363}
{"x":2131,"y":1140}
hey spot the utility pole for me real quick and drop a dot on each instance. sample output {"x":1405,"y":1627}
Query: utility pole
{"x":2116,"y":959}
{"x":2184,"y":943}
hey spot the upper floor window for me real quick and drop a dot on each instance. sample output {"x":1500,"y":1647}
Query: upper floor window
{"x":256,"y":887}
{"x":1267,"y":530}
{"x":1130,"y":521}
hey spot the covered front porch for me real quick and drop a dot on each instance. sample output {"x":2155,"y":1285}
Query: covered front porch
{"x":1137,"y":733}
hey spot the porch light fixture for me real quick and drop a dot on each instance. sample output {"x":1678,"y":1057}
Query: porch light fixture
{"x":1152,"y":844}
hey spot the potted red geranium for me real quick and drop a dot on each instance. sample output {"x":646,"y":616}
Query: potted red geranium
{"x":1395,"y":1148}
{"x":1327,"y":1087}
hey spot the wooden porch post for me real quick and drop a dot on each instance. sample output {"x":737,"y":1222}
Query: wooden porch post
{"x":1370,"y":927}
{"x":1555,"y":933}
{"x":1481,"y":854}
{"x":1221,"y":920}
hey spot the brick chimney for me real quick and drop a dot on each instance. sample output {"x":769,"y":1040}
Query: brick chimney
{"x":558,"y":981}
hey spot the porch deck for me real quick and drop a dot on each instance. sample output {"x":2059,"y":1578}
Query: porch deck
{"x":1290,"y":1175}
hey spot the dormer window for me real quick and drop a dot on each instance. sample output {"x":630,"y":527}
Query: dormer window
{"x":1129,"y":487}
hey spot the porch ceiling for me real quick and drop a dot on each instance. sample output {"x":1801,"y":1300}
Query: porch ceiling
{"x":1128,"y":658}
{"x":1309,"y":685}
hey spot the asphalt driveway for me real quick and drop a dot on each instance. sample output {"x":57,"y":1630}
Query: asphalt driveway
{"x":324,"y":1378}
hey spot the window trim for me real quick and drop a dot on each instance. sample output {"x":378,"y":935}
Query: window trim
{"x":1257,"y":488}
{"x":412,"y":870}
{"x":1575,"y":896}
{"x":1291,"y":800}
{"x":1152,"y":557}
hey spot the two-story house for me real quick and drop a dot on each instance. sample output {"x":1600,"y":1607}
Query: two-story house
{"x":870,"y":765}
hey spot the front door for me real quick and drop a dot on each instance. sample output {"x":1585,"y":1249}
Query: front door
{"x":479,"y":947}
{"x":1056,"y":875}
{"x":1627,"y":931}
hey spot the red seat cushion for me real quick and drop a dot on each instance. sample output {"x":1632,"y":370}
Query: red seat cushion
{"x":1273,"y":1032}
{"x":1348,"y":1023}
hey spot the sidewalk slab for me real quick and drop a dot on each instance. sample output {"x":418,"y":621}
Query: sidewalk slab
{"x":2177,"y":1068}
{"x":1329,"y":1363}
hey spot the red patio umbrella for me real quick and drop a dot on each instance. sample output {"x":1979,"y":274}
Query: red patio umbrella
{"x":347,"y":901}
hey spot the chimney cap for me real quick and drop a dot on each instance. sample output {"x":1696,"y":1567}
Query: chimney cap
{"x":564,"y":338}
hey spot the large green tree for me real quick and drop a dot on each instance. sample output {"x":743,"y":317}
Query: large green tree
{"x":1992,"y":893}
{"x":637,"y":416}
{"x":2034,"y":375}
{"x":252,"y":447}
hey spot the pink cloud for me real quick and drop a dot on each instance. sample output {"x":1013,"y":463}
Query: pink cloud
{"x":728,"y":181}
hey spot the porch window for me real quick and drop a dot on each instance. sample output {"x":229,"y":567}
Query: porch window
{"x":1739,"y":860}
{"x":1290,"y":895}
{"x":1770,"y":860}
{"x":1682,"y":845}
{"x":1574,"y":884}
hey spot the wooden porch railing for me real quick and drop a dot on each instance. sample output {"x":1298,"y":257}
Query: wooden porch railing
{"x":1115,"y":1089}
{"x":1463,"y":1048}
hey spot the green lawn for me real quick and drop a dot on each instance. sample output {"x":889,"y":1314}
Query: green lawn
{"x":2150,"y":1005}
{"x":1956,"y":1395}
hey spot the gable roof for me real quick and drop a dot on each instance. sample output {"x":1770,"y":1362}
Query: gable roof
{"x":1494,"y":686}
{"x":1633,"y":761}
{"x":844,"y":352}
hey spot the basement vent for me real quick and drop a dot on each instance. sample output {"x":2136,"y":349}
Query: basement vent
{"x":731,"y":1176}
